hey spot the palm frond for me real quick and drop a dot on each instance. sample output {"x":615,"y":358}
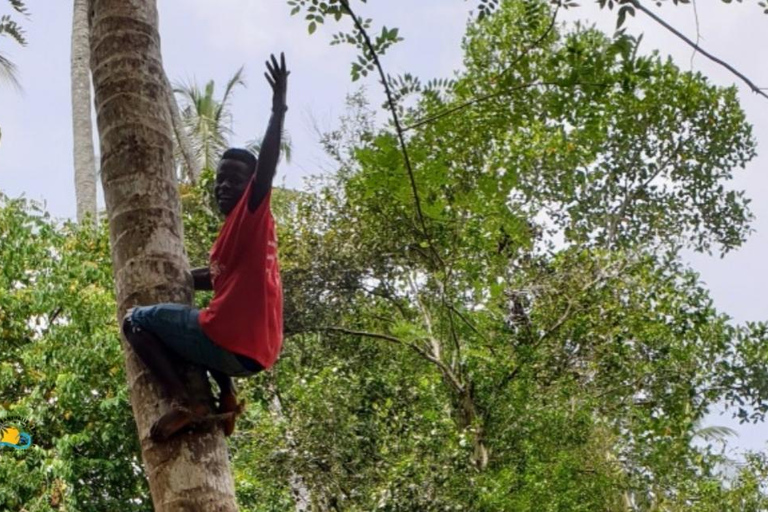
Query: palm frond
{"x":207,"y":119}
{"x":12,"y":29}
{"x":237,"y":79}
{"x":18,"y":6}
{"x":715,"y":433}
{"x":286,"y":146}
{"x":8,"y":71}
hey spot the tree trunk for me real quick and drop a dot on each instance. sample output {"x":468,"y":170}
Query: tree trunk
{"x":82,"y":132}
{"x":299,"y":490}
{"x":470,"y":420}
{"x":191,"y":471}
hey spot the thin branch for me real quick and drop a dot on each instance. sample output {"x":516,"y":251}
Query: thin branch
{"x":454,"y":336}
{"x":533,"y":45}
{"x":632,"y":195}
{"x":387,"y":295}
{"x":398,"y":127}
{"x":380,"y":336}
{"x":436,"y":348}
{"x":604,"y":275}
{"x":392,"y":339}
{"x":698,"y":30}
{"x":470,"y":325}
{"x":519,"y":58}
{"x":486,"y":97}
{"x":755,"y":89}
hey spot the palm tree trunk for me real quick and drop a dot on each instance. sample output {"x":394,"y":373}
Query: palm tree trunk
{"x":85,"y":165}
{"x":191,"y":471}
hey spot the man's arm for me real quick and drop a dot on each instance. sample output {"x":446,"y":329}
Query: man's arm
{"x":270,"y":146}
{"x":202,"y":279}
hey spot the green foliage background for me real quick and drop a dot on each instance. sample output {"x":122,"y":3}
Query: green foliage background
{"x":539,"y":347}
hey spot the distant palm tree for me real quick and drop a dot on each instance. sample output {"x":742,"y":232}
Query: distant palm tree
{"x":713,"y":432}
{"x":82,"y":131}
{"x":286,"y":146}
{"x":208,"y":120}
{"x":9,"y":28}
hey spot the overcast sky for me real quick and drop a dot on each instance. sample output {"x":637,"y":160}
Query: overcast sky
{"x":207,"y":39}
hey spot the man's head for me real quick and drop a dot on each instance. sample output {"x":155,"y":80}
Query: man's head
{"x":235,"y":169}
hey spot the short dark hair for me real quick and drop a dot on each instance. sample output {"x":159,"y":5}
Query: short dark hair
{"x":241,"y":155}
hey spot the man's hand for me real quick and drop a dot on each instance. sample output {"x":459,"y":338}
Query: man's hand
{"x":201,"y":279}
{"x":278,"y":79}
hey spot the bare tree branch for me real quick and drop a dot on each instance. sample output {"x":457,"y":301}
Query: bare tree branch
{"x":392,"y":339}
{"x":755,"y":88}
{"x":486,"y":97}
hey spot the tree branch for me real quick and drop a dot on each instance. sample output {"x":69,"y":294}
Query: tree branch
{"x":398,"y":127}
{"x":564,"y":317}
{"x":631,"y":196}
{"x":392,"y":339}
{"x":486,"y":97}
{"x":535,"y":44}
{"x":755,"y":88}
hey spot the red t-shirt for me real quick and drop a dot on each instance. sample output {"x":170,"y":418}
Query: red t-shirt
{"x":246,"y":313}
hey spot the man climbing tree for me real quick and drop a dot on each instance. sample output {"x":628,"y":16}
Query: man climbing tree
{"x":240,"y":332}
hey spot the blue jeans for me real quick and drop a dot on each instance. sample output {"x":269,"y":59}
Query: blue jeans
{"x":177,"y":327}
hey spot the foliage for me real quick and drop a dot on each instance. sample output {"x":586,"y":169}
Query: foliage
{"x":10,"y":28}
{"x":318,"y":11}
{"x":623,"y":7}
{"x":507,"y":369}
{"x":622,"y":134}
{"x":514,"y":325}
{"x":62,"y":368}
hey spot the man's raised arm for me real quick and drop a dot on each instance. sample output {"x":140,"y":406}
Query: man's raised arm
{"x":270,"y":146}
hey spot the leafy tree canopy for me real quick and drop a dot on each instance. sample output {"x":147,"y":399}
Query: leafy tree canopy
{"x":535,"y":343}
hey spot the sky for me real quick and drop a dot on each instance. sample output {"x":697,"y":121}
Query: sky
{"x":207,"y":39}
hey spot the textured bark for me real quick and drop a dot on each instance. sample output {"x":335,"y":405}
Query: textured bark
{"x":191,"y":471}
{"x":82,"y":131}
{"x":190,"y":164}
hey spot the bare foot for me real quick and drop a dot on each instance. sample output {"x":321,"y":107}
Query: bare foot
{"x":228,"y":403}
{"x":176,"y":419}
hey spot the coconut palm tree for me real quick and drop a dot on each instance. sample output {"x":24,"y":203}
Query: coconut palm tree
{"x":191,"y":472}
{"x":182,"y":151}
{"x":82,"y":131}
{"x":208,"y":121}
{"x":286,"y":146}
{"x":9,"y":28}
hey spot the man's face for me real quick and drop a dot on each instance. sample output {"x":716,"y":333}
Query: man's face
{"x":231,"y":181}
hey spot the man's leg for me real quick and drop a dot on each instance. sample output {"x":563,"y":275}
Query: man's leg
{"x":159,"y":360}
{"x":227,"y":399}
{"x":224,"y":381}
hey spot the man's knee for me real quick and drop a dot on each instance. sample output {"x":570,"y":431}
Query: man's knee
{"x":129,"y":329}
